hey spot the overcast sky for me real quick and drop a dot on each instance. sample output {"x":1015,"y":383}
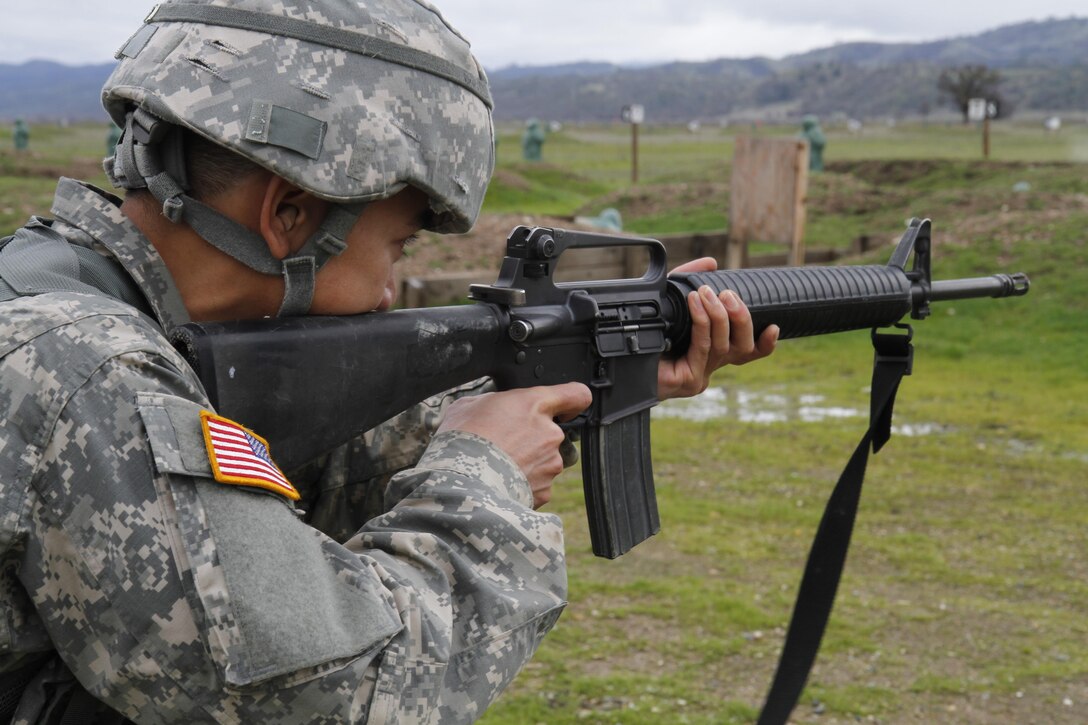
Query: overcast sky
{"x":507,"y":32}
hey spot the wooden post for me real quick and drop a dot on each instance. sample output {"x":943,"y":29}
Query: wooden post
{"x":986,"y":137}
{"x":800,"y":194}
{"x":634,"y":115}
{"x":736,"y":253}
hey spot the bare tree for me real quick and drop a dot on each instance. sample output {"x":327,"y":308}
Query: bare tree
{"x":972,"y":81}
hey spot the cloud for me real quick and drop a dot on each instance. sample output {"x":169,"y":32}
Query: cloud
{"x":71,"y":31}
{"x":657,"y":30}
{"x":564,"y":31}
{"x":636,"y":32}
{"x":924,"y":19}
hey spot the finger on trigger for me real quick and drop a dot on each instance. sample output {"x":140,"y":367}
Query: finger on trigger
{"x":567,"y":400}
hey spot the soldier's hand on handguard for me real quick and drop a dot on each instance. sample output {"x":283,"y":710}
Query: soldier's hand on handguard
{"x":721,"y":334}
{"x":522,"y":422}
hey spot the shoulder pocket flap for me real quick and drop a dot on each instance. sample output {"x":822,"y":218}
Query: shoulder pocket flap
{"x":174,"y":433}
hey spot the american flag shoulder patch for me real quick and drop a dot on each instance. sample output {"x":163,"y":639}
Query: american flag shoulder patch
{"x":240,"y":456}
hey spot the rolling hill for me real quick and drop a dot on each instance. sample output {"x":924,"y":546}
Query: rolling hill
{"x":1044,"y":66}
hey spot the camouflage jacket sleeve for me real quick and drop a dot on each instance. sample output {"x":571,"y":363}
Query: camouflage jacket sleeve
{"x":345,"y":488}
{"x":176,"y":598}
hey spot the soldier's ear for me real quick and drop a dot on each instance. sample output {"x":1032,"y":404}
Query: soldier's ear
{"x":289,"y":216}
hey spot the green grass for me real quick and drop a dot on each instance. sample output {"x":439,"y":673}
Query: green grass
{"x":966,"y":586}
{"x":28,"y":179}
{"x":547,"y":188}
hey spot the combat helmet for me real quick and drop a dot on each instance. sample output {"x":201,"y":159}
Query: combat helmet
{"x":350,"y":100}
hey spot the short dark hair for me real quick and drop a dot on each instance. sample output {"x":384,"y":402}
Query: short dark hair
{"x":213,"y":169}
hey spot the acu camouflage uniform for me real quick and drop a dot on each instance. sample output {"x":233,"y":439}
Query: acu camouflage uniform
{"x":175,"y":598}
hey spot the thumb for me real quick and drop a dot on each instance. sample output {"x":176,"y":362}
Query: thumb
{"x":703,"y":264}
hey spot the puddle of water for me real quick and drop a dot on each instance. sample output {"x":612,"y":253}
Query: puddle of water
{"x":912,"y":430}
{"x":1019,"y":447}
{"x":747,"y":406}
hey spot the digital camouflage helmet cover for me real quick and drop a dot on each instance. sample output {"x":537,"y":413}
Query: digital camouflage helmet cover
{"x":351,"y":101}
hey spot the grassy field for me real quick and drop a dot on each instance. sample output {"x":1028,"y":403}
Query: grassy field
{"x":965,"y":598}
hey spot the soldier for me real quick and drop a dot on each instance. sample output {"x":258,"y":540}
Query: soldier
{"x":811,"y":132}
{"x":157,"y":565}
{"x":20,"y":136}
{"x":532,"y":140}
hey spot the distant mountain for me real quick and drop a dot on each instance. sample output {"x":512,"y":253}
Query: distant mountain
{"x":42,"y":89}
{"x":1048,"y":43}
{"x":1045,"y":66}
{"x":514,"y":72}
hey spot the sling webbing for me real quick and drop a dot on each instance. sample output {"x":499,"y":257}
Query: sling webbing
{"x":827,"y":557}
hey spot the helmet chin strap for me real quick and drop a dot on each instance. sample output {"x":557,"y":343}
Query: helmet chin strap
{"x":149,"y":156}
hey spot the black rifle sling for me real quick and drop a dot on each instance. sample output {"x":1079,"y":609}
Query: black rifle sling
{"x":816,"y":597}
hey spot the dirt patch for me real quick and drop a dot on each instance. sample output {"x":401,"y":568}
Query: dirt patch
{"x":20,"y":166}
{"x":836,"y":193}
{"x":1007,"y":226}
{"x":654,"y":200}
{"x":882,"y":171}
{"x":905,"y":171}
{"x":512,"y":179}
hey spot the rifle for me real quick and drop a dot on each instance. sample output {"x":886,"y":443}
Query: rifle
{"x":304,"y":382}
{"x":308,"y":384}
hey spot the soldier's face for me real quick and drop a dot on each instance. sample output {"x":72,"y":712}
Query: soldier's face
{"x":361,"y":279}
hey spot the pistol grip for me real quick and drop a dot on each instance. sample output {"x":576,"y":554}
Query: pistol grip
{"x":619,"y":484}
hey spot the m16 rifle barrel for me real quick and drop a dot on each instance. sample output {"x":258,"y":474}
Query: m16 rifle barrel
{"x":996,"y":285}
